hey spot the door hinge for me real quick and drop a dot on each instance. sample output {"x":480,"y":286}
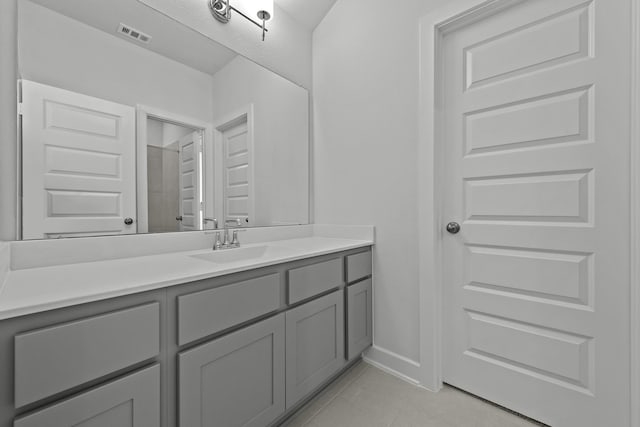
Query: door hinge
{"x":20,"y":108}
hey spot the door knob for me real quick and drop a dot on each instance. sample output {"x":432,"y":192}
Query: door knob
{"x":128,"y":221}
{"x":453,"y":228}
{"x":179,"y":218}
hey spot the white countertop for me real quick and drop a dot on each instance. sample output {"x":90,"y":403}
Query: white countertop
{"x":32,"y":290}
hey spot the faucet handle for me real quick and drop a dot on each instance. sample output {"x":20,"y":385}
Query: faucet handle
{"x":226,"y":242}
{"x":235,"y":243}
{"x":216,"y":243}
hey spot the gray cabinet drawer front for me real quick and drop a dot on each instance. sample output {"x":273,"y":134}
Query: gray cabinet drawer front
{"x":54,"y":359}
{"x":359,"y":319}
{"x":358,"y":266}
{"x":236,"y":380}
{"x":315,"y":344}
{"x":206,"y":312}
{"x":132,"y":401}
{"x":310,"y":280}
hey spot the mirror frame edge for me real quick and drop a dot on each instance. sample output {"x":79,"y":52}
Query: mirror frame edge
{"x":9,"y":154}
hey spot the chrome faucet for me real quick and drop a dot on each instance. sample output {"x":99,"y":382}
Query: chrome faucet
{"x":225,"y":243}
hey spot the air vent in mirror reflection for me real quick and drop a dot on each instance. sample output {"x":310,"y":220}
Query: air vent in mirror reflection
{"x":133,"y":33}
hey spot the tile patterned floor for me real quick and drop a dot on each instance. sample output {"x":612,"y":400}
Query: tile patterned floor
{"x":368,"y":397}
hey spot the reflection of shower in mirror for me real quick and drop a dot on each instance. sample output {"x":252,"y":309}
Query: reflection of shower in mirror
{"x":174,"y":178}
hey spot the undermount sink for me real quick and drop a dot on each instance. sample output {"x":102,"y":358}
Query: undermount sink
{"x":224,"y":256}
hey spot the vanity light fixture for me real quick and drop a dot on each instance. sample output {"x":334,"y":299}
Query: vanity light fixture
{"x":262,"y":9}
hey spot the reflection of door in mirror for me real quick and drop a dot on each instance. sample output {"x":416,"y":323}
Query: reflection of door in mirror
{"x":237,"y":148}
{"x":78,"y":169}
{"x":191,"y":197}
{"x":173,"y":177}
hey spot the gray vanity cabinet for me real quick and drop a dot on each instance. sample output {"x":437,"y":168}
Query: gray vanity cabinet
{"x":359,"y":318}
{"x":239,"y":350}
{"x":132,"y":401}
{"x":315,"y":344}
{"x":57,"y":358}
{"x":236,"y":380}
{"x":359,"y":303}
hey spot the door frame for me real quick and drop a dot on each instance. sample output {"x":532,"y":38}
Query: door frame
{"x":433,"y":27}
{"x":143,"y":114}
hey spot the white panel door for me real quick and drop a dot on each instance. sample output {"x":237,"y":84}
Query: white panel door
{"x":238,"y":188}
{"x":78,"y":164}
{"x":190,"y":147}
{"x":536,"y":282}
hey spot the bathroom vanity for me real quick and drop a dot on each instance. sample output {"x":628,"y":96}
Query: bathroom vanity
{"x":147,"y":329}
{"x":248,"y":345}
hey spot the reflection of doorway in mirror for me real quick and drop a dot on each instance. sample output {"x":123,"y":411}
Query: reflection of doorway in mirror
{"x":174,"y":198}
{"x":235,"y":133}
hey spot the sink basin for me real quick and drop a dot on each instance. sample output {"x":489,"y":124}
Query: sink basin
{"x":247,"y":253}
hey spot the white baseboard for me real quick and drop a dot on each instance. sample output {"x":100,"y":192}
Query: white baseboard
{"x":394,"y":364}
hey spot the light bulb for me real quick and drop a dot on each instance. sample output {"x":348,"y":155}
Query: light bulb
{"x":264,"y":9}
{"x":255,"y":9}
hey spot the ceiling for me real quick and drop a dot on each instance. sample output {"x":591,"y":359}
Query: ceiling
{"x":169,"y":36}
{"x":307,"y":12}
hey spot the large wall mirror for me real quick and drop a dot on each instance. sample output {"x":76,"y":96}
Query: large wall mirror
{"x":134,"y":123}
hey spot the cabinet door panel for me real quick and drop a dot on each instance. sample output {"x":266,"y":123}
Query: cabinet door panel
{"x":315,"y":344}
{"x":359,"y":319}
{"x":132,"y":401}
{"x":236,"y":380}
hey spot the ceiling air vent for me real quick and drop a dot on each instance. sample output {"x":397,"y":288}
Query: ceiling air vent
{"x":130,"y":32}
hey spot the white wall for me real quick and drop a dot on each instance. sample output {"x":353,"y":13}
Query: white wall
{"x":8,"y":132}
{"x":65,"y":53}
{"x":171,"y":133}
{"x":281,"y":134}
{"x":155,"y":134}
{"x":162,"y":134}
{"x":365,"y":86}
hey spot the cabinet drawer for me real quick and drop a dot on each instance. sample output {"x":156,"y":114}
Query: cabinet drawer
{"x":54,"y":359}
{"x":359,"y":319}
{"x":310,"y":280}
{"x":206,"y":312}
{"x":130,"y":401}
{"x":358,"y":266}
{"x":235,"y":380}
